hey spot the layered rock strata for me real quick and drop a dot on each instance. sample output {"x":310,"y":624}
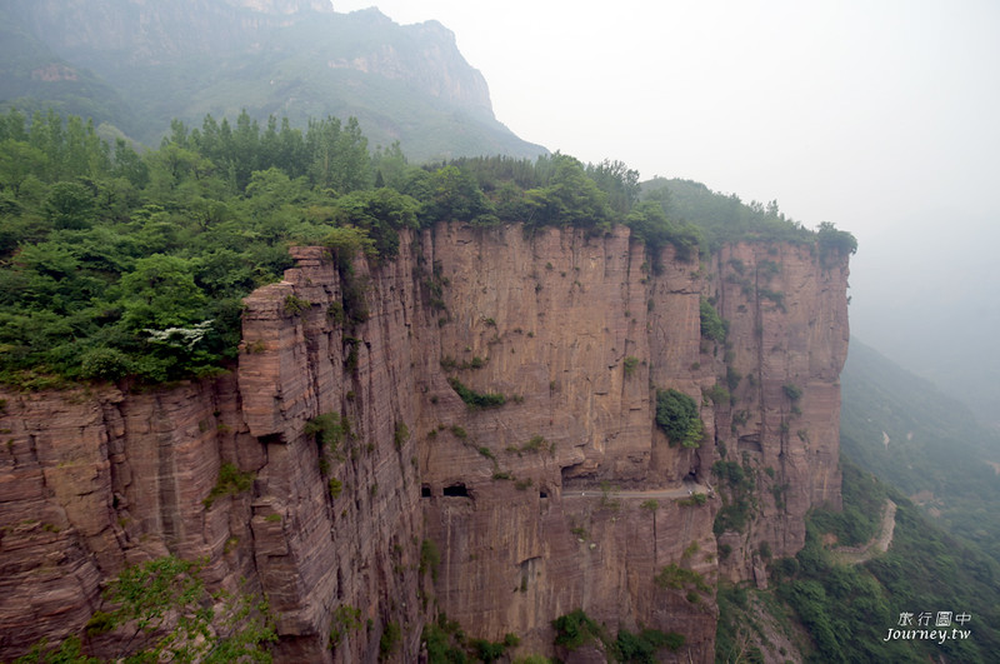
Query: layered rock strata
{"x":504,"y":516}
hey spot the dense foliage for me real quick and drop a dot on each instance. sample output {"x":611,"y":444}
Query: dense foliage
{"x":889,"y":414}
{"x":849,"y":609}
{"x":677,"y":415}
{"x":116,"y":263}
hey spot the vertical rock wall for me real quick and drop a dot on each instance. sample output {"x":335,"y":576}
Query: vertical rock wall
{"x":567,"y":496}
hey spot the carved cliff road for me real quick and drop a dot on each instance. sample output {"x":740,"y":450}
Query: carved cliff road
{"x":666,"y":494}
{"x":852,"y":555}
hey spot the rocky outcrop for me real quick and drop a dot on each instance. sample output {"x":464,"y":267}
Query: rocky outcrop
{"x":504,"y":516}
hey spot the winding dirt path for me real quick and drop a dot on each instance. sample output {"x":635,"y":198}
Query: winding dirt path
{"x":855,"y":555}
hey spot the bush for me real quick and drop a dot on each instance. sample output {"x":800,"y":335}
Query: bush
{"x":389,"y":641}
{"x":575,"y":629}
{"x":105,"y":364}
{"x":832,"y":241}
{"x":295,"y":305}
{"x":718,"y":394}
{"x":676,"y":577}
{"x":430,"y":558}
{"x":401,"y":434}
{"x":793,"y":392}
{"x":712,"y":326}
{"x":327,"y":429}
{"x":476,"y":399}
{"x":641,"y":648}
{"x":231,"y":482}
{"x":677,"y":416}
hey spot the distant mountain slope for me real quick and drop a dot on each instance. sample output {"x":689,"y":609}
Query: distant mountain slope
{"x":294,"y":58}
{"x":905,"y":431}
{"x":33,"y":77}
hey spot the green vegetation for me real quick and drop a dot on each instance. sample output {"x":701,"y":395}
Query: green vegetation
{"x":576,"y":629}
{"x":721,"y":218}
{"x":231,"y":482}
{"x":718,"y":395}
{"x":694,"y":500}
{"x":346,"y":620}
{"x":712,"y":326}
{"x":295,"y":306}
{"x":447,"y":643}
{"x":945,"y":448}
{"x":738,"y":495}
{"x":677,"y":415}
{"x":328,"y":430}
{"x":117,"y":265}
{"x":681,"y":578}
{"x":792,"y":391}
{"x":630,"y":364}
{"x":536,"y":445}
{"x":476,"y":399}
{"x":401,"y":434}
{"x":641,"y":648}
{"x":164,"y":611}
{"x":430,"y":558}
{"x":388,"y":643}
{"x":849,"y":609}
{"x":833,"y":242}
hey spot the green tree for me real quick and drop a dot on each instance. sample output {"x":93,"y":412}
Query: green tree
{"x":18,"y":160}
{"x":570,"y":198}
{"x":381,"y":213}
{"x":70,"y":205}
{"x":677,"y":415}
{"x":618,"y":181}
{"x":454,"y":196}
{"x":161,"y":293}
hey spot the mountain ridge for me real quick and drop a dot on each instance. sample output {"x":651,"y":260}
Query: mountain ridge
{"x":295,"y":59}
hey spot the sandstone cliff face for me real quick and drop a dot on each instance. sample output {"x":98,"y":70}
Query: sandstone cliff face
{"x":565,"y":497}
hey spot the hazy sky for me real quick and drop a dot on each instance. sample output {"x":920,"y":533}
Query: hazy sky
{"x":841,"y":110}
{"x":882,"y":116}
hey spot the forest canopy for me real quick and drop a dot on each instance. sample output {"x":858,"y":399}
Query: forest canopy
{"x":117,"y":261}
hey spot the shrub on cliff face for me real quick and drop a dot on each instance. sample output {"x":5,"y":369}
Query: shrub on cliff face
{"x":642,"y":647}
{"x":326,"y":429}
{"x":677,"y":416}
{"x":231,"y":482}
{"x":165,"y":613}
{"x":476,"y":399}
{"x":712,"y":325}
{"x":575,"y":629}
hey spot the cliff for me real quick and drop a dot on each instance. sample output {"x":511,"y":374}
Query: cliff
{"x":565,"y":496}
{"x":288,"y":58}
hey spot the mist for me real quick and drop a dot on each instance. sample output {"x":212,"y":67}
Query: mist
{"x":878,"y":117}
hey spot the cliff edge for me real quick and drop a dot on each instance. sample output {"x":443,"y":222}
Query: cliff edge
{"x":490,"y":400}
